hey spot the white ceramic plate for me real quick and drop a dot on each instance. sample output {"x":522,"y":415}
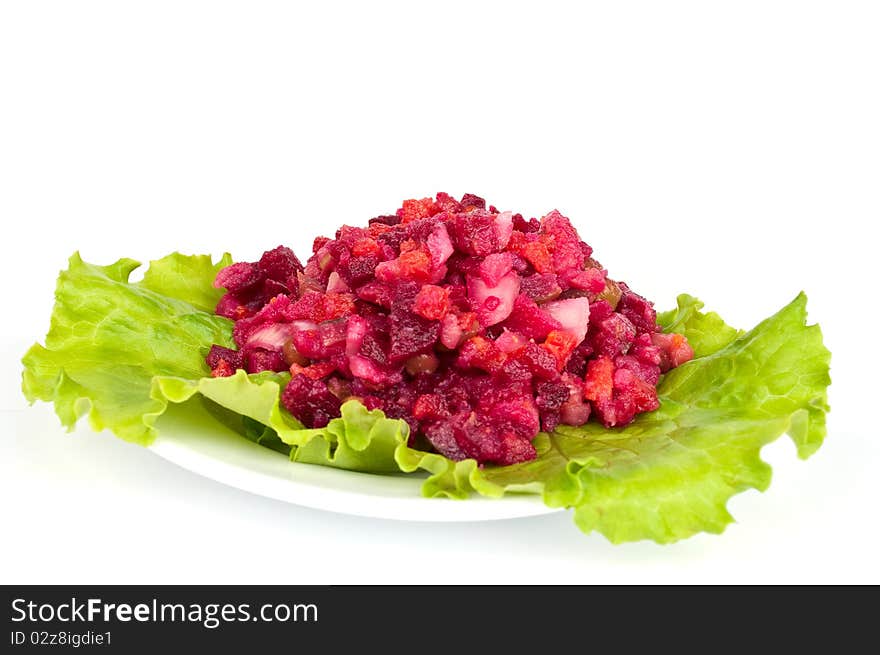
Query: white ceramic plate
{"x":214,"y":451}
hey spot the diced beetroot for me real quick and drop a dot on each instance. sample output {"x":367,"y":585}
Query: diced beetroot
{"x":644,"y":359}
{"x":515,"y":370}
{"x":470,"y":202}
{"x":246,"y":303}
{"x":567,"y":252}
{"x":308,"y":343}
{"x":479,"y":441}
{"x":411,"y":334}
{"x":541,"y":287}
{"x":644,"y":394}
{"x":355,"y":270}
{"x":551,"y":395}
{"x":526,"y":226}
{"x":550,"y":419}
{"x":646,"y":371}
{"x":599,"y":311}
{"x":474,"y":233}
{"x":280,"y":264}
{"x":473,"y":325}
{"x":237,"y":277}
{"x":438,"y":275}
{"x":375,"y":347}
{"x":577,"y":363}
{"x":442,"y":437}
{"x":376,"y":293}
{"x":638,"y":310}
{"x":271,"y":289}
{"x":231,"y":306}
{"x":613,"y":336}
{"x":631,"y":396}
{"x":494,"y":303}
{"x":334,"y":335}
{"x":388,"y":219}
{"x":573,"y":314}
{"x":218,"y":354}
{"x":447,"y":203}
{"x":463,"y":264}
{"x":310,"y":401}
{"x":515,"y":449}
{"x":530,"y":320}
{"x":223,"y":369}
{"x":521,"y":416}
{"x":539,"y":361}
{"x":314,"y":371}
{"x":592,"y":280}
{"x":257,"y":360}
{"x":389,"y":271}
{"x":644,"y":349}
{"x":431,"y":407}
{"x":309,"y":307}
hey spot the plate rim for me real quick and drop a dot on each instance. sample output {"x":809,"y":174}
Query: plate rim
{"x":324,"y":488}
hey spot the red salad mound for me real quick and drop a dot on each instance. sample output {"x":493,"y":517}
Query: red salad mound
{"x":479,"y":328}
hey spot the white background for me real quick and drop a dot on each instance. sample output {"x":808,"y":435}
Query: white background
{"x":730,"y":150}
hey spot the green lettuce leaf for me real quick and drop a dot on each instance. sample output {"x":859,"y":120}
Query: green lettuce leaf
{"x":122,"y":351}
{"x":670,"y":473}
{"x":108,"y":339}
{"x":360,"y":440}
{"x":707,"y":333}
